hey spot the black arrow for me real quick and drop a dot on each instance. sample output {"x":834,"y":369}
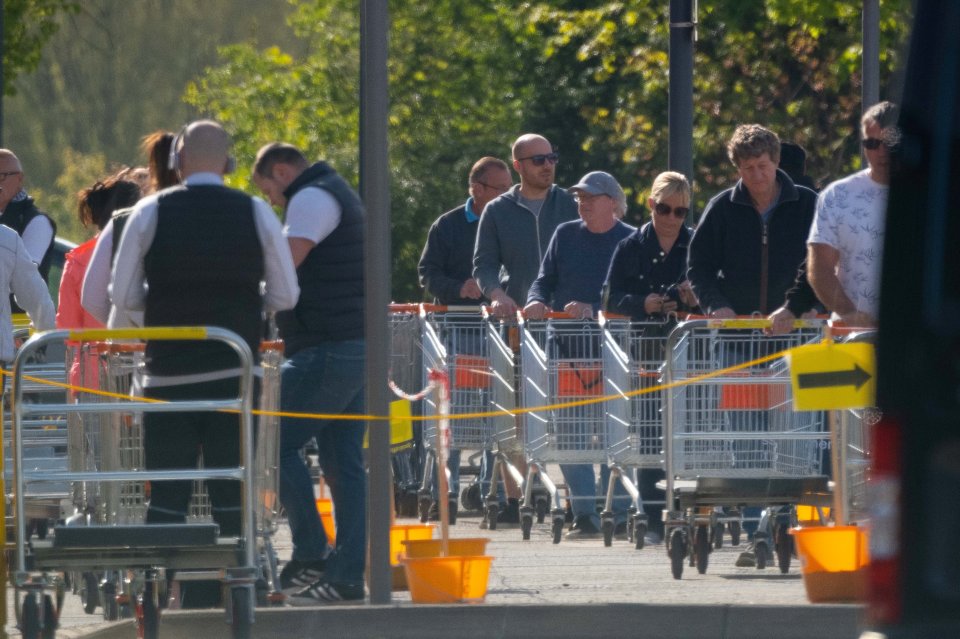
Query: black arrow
{"x":854,"y":377}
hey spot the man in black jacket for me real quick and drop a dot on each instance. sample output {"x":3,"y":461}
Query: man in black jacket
{"x":743,"y":258}
{"x":18,"y":211}
{"x":751,"y":239}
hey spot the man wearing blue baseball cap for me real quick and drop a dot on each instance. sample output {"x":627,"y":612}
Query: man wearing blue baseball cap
{"x":570,"y":280}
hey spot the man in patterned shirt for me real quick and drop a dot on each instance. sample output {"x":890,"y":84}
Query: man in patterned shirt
{"x":845,"y":246}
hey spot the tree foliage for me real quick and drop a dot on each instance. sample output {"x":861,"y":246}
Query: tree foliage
{"x":27,"y":26}
{"x":466,"y":77}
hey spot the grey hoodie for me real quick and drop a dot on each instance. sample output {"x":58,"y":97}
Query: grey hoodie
{"x":511,"y":240}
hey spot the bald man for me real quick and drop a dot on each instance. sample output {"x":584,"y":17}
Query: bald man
{"x":200,"y":254}
{"x":18,"y":211}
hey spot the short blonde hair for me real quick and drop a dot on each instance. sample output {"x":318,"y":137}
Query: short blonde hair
{"x":670,"y":183}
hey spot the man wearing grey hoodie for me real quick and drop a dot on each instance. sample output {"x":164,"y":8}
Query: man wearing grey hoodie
{"x":517,"y":226}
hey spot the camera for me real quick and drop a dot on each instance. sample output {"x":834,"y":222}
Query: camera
{"x":673,"y":293}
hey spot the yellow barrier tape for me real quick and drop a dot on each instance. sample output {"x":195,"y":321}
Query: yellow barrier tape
{"x":104,"y":334}
{"x":427,"y":418}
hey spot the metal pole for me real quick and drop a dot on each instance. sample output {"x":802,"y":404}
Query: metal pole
{"x":3,"y":49}
{"x":680,"y":113}
{"x":375,"y":192}
{"x":871,"y":53}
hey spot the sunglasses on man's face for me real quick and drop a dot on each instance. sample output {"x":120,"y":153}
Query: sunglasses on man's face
{"x":542,"y":158}
{"x":666,"y":209}
{"x":872,"y":144}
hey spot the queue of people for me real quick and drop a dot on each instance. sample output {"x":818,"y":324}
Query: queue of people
{"x":767,"y":245}
{"x":166,"y":253}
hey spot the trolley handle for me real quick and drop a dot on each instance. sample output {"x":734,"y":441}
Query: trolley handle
{"x":753,"y":322}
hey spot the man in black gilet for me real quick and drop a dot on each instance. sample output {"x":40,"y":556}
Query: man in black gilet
{"x":197,"y":255}
{"x":324,"y":372}
{"x":18,"y":211}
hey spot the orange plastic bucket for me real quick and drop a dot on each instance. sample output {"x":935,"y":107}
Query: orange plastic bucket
{"x":453,"y":579}
{"x":325,"y":509}
{"x":431,"y":547}
{"x":400,"y":533}
{"x":833,"y":560}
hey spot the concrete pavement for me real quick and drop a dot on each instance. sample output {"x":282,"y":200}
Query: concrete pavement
{"x":538,"y":589}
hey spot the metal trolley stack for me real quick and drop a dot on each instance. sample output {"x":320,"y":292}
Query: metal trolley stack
{"x":633,"y":360}
{"x":105,"y":540}
{"x":852,"y":432}
{"x":45,"y":437}
{"x":480,"y":368}
{"x":560,"y":360}
{"x":406,"y":374}
{"x":732,"y":438}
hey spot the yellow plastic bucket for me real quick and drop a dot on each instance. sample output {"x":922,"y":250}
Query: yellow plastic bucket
{"x":808,"y":516}
{"x":453,"y":579}
{"x":400,"y":533}
{"x":431,"y":547}
{"x":325,"y":509}
{"x":833,"y":560}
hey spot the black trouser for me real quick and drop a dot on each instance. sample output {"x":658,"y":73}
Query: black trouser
{"x":174,"y":441}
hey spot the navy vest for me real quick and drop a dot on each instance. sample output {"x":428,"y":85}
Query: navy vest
{"x":330,"y":307}
{"x":203,"y":268}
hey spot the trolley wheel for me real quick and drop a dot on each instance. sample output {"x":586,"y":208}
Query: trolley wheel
{"x":526,"y":525}
{"x":30,"y":617}
{"x":557,"y":529}
{"x":241,"y":614}
{"x":678,"y":552}
{"x":148,"y":613}
{"x":639,"y":535}
{"x":423,"y":508}
{"x":760,"y":550}
{"x":607,"y":529}
{"x":470,"y":498}
{"x":90,"y":592}
{"x":718,"y":536}
{"x":702,"y":548}
{"x":542,"y":507}
{"x":784,"y":547}
{"x":492,"y":512}
{"x":407,"y":504}
{"x":111,"y":607}
{"x":734,"y":527}
{"x":50,"y":621}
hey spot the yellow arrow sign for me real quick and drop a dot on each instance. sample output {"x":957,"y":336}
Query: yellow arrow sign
{"x":831,"y":376}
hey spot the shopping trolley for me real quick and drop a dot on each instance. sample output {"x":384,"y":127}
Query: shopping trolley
{"x":124,"y":547}
{"x":479,"y":365}
{"x":45,"y":438}
{"x":406,"y":373}
{"x":633,"y":360}
{"x":560,"y":361}
{"x":732,"y":437}
{"x":851,"y":429}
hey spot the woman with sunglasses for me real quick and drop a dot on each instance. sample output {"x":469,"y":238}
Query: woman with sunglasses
{"x":646,"y":279}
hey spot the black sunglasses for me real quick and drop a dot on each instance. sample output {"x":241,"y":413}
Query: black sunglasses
{"x":666,"y":209}
{"x":542,"y":158}
{"x":872,"y":144}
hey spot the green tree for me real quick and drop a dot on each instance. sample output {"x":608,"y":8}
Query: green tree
{"x":452,"y":100}
{"x":27,"y":26}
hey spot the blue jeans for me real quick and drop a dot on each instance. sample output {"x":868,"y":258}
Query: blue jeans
{"x":581,"y":482}
{"x":328,"y":378}
{"x":453,"y":465}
